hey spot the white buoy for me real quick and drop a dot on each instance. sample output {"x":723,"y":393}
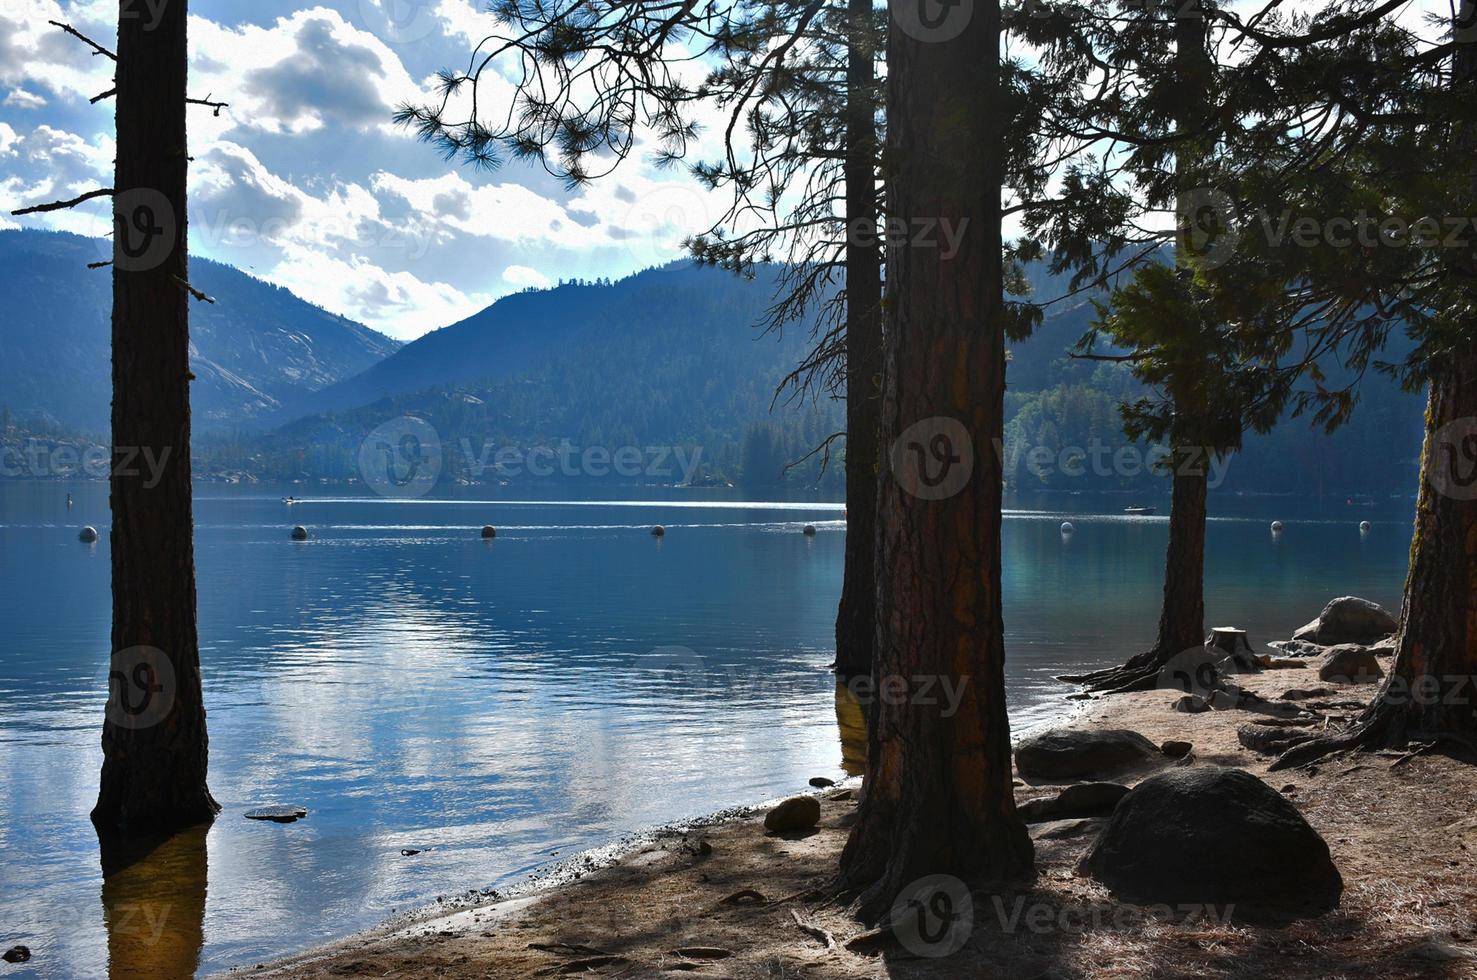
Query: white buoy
{"x":1365,"y":526}
{"x":658,"y":531}
{"x":1068,"y":527}
{"x":488,"y":531}
{"x":299,"y":533}
{"x":88,"y":535}
{"x":808,"y":530}
{"x":1276,"y":527}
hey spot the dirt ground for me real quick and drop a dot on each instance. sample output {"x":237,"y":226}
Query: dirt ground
{"x":732,"y":901}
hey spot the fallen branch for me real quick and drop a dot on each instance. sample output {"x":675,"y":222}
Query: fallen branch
{"x":64,"y":205}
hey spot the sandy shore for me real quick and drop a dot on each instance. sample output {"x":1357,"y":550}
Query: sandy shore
{"x":729,"y":900}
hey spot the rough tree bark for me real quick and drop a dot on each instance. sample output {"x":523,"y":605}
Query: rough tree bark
{"x":856,"y":618}
{"x":1431,"y":693}
{"x":939,"y":797}
{"x":1182,"y":615}
{"x":154,"y":742}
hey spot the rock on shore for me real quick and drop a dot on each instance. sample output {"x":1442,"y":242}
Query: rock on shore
{"x":1213,"y":836}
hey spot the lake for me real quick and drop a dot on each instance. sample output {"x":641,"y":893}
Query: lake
{"x":498,"y":704}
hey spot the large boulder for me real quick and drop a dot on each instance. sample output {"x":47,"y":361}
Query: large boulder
{"x":1081,"y":800}
{"x":1213,"y":836}
{"x":1348,"y":620}
{"x":1350,"y":663}
{"x":1063,"y":754}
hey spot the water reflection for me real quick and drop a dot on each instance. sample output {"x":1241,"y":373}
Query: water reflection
{"x":154,"y":906}
{"x":851,"y":722}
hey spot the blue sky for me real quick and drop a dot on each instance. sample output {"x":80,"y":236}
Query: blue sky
{"x":304,"y":181}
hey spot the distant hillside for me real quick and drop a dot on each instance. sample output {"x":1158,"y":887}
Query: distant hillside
{"x":255,"y":351}
{"x":667,"y":357}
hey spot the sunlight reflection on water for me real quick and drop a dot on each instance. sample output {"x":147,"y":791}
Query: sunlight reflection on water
{"x":491,"y":702}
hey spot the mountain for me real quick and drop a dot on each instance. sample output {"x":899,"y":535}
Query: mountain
{"x":255,"y":351}
{"x":667,"y":357}
{"x":520,"y":331}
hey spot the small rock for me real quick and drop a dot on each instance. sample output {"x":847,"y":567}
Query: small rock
{"x":1289,"y":788}
{"x":277,"y":814}
{"x":821,"y":782}
{"x":1190,"y":704}
{"x":1299,"y":694}
{"x":1081,"y":800}
{"x":409,"y":851}
{"x":16,"y":954}
{"x":1176,"y":749}
{"x":1350,"y":664}
{"x":795,"y":814}
{"x":1064,"y":753}
{"x":1270,"y":739}
{"x":1066,"y":829}
{"x":1296,"y":648}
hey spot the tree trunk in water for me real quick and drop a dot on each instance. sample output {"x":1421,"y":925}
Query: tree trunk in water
{"x":856,"y":619}
{"x":938,"y":784}
{"x":154,"y":743}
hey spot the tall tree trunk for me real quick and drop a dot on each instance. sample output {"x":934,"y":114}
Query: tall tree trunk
{"x":1182,"y":618}
{"x":939,"y":797}
{"x":1431,"y":693}
{"x":154,"y":743}
{"x":856,"y":619}
{"x":1182,"y":615}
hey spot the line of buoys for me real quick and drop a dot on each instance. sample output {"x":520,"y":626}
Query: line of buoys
{"x":808,"y":530}
{"x":299,"y":533}
{"x":488,"y":531}
{"x":658,"y":532}
{"x":88,"y":535}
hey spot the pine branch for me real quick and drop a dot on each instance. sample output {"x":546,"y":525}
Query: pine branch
{"x":64,"y":205}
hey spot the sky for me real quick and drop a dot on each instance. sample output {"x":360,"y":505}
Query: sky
{"x":304,"y":180}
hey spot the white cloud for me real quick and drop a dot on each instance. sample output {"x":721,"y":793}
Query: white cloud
{"x":523,"y":277}
{"x":19,"y":98}
{"x":307,"y":72}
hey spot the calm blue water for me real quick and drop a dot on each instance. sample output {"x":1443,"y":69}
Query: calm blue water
{"x":496,"y":703}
